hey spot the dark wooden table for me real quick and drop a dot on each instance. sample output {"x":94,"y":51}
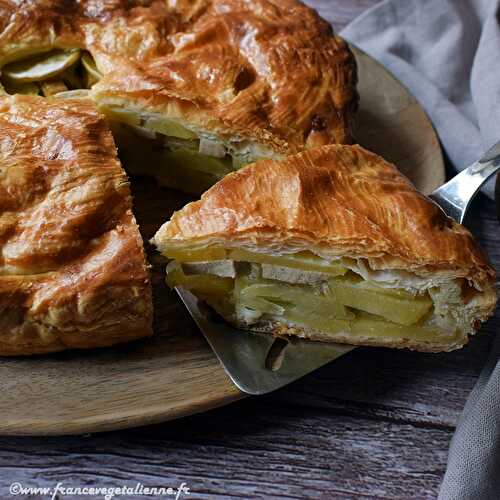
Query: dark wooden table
{"x":375,"y":424}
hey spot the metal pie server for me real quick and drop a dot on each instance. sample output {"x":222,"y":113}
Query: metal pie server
{"x":260,"y":363}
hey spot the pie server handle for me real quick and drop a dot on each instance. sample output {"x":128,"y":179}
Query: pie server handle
{"x":455,"y":196}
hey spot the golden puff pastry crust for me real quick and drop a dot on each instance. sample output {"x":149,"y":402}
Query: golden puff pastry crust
{"x":334,"y":200}
{"x":342,"y":201}
{"x":72,"y":266}
{"x":267,"y":71}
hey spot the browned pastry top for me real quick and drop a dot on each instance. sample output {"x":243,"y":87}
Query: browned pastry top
{"x":72,"y":268}
{"x":337,"y":200}
{"x":268,"y":70}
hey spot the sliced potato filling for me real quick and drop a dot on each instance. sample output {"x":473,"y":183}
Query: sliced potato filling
{"x":295,"y":300}
{"x":50,"y":73}
{"x":300,"y":260}
{"x":306,"y":261}
{"x":392,"y":304}
{"x":175,"y":155}
{"x":342,"y":302}
{"x":204,"y":284}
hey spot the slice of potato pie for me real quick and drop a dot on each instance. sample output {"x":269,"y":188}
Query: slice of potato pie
{"x":332,"y":244}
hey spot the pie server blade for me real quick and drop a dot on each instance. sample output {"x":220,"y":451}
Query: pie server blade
{"x":260,"y":363}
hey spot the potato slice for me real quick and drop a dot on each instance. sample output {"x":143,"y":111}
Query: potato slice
{"x":176,"y":144}
{"x":160,"y":125}
{"x":205,"y":284}
{"x":167,"y":172}
{"x":369,"y":326}
{"x":305,"y":261}
{"x":330,"y":325}
{"x":73,"y":94}
{"x":198,"y":254}
{"x":298,"y":301}
{"x":198,"y":162}
{"x":143,"y":156}
{"x":261,"y":305}
{"x":51,"y":87}
{"x":121,"y":115}
{"x":169,"y":127}
{"x":26,"y":88}
{"x":397,"y":306}
{"x":239,"y":162}
{"x":42,"y":66}
{"x":93,"y":74}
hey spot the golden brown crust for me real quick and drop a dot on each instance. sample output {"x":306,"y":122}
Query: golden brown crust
{"x":334,"y":200}
{"x":72,"y":267}
{"x":225,"y":66}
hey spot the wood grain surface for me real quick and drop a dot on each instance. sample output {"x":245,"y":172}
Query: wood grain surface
{"x":374,"y":424}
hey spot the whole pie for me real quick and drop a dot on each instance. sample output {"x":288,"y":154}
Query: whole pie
{"x":72,"y":268}
{"x":195,"y":89}
{"x":332,"y":244}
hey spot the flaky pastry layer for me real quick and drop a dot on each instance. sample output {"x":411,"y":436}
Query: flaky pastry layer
{"x":72,"y":266}
{"x":223,"y":67}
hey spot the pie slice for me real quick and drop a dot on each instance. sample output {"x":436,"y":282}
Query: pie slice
{"x":332,"y":244}
{"x":73,"y":272}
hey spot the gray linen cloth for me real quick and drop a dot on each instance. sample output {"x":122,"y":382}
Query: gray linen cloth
{"x":448,"y":54}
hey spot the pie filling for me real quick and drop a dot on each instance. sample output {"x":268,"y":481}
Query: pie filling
{"x":176,"y":156}
{"x":305,"y":290}
{"x":57,"y":72}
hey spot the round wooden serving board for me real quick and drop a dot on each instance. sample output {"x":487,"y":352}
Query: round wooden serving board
{"x":174,"y":373}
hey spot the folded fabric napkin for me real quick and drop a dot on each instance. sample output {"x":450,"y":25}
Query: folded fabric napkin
{"x":447,"y":52}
